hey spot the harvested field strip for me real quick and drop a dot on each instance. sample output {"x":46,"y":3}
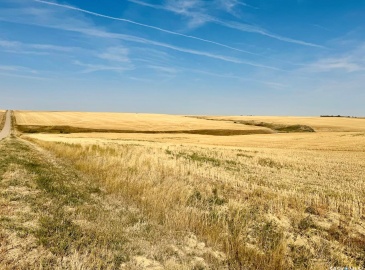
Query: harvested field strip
{"x":123,"y":121}
{"x":263,"y":209}
{"x":318,"y":141}
{"x":52,"y":217}
{"x":319,"y":124}
{"x":70,"y":129}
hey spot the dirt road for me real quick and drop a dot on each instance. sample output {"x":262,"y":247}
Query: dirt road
{"x":7,"y":127}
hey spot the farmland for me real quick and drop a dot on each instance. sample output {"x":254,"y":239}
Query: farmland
{"x":325,"y":124}
{"x":70,"y":122}
{"x":157,"y":196}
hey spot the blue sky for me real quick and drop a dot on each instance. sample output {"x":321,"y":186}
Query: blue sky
{"x":221,"y":57}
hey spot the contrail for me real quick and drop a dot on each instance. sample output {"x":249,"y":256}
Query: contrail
{"x":144,"y":25}
{"x":249,"y":28}
{"x":172,"y":47}
{"x":238,"y":26}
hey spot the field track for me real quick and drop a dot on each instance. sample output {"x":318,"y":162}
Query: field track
{"x":7,"y":126}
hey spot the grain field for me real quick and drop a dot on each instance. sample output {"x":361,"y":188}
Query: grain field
{"x":282,"y":200}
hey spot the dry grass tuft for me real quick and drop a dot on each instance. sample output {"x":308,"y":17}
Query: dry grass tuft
{"x":2,"y":119}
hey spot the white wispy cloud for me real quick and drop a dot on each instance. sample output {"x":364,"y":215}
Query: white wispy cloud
{"x":4,"y":74}
{"x":331,"y":64}
{"x":89,"y":68}
{"x":271,"y":84}
{"x":90,"y":30}
{"x":258,"y":30}
{"x":115,"y":54}
{"x":144,"y":25}
{"x":199,"y":53}
{"x":232,"y":7}
{"x":17,"y":69}
{"x":56,"y":20}
{"x":175,"y":7}
{"x":162,"y":73}
{"x":9,"y":44}
{"x":164,"y":69}
{"x":49,"y":47}
{"x":275,"y":85}
{"x":194,"y":9}
{"x":104,"y":34}
{"x":151,"y":55}
{"x":19,"y":72}
{"x":21,"y":47}
{"x":320,"y":27}
{"x":350,"y":61}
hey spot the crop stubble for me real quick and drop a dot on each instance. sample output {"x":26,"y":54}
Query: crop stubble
{"x":270,"y":201}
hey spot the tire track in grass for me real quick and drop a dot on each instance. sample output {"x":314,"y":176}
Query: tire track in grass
{"x":52,"y":217}
{"x":34,"y":197}
{"x":41,"y":207}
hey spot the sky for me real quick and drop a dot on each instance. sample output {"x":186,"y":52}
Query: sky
{"x":216,"y":57}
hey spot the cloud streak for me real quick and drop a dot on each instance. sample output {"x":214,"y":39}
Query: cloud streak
{"x":144,"y":25}
{"x":89,"y":68}
{"x":89,"y":30}
{"x":271,"y":84}
{"x":351,"y":61}
{"x":19,"y":72}
{"x":169,"y":70}
{"x":115,"y":54}
{"x":16,"y":46}
{"x":22,"y":76}
{"x":232,"y":6}
{"x":171,"y":47}
{"x":253,"y":29}
{"x":331,"y":64}
{"x":17,"y":69}
{"x":229,"y":24}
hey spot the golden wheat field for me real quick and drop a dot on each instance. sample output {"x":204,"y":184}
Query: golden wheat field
{"x":280,"y":200}
{"x":317,"y":123}
{"x":123,"y":121}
